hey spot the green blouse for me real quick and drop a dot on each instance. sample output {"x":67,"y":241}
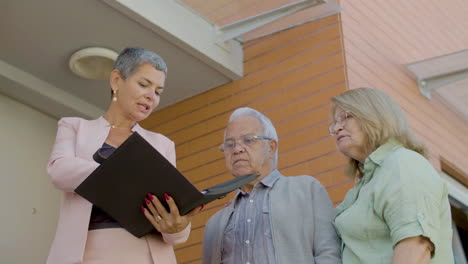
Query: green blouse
{"x":400,"y":195}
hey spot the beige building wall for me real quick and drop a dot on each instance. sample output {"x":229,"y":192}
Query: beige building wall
{"x":381,"y":36}
{"x":29,"y":204}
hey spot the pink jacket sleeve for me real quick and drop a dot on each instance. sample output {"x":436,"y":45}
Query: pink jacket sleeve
{"x":171,"y":155}
{"x":64,"y":167}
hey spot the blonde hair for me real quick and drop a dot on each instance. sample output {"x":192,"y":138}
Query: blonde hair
{"x":381,"y":119}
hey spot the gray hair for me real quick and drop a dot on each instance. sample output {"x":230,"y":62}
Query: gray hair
{"x":130,"y":58}
{"x":268,"y":128}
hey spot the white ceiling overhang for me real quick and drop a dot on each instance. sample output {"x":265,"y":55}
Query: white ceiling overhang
{"x":186,"y":30}
{"x":38,"y":38}
{"x":447,"y":76}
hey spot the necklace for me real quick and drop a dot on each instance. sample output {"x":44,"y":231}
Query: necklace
{"x":120,"y":127}
{"x":128,"y":128}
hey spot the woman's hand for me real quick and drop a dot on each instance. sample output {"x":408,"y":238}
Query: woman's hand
{"x":167,"y":222}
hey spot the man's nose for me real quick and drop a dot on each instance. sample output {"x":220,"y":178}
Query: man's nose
{"x":238,"y":148}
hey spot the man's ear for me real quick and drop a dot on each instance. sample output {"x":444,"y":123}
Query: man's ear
{"x":273,"y":146}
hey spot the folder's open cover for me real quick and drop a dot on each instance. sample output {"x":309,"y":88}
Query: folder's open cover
{"x":118,"y":186}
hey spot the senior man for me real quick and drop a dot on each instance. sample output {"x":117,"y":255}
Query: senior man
{"x":274,"y":219}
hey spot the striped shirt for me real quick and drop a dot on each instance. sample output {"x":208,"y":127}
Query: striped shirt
{"x":249,"y":226}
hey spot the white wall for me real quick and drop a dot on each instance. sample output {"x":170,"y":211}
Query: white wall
{"x":28,"y":203}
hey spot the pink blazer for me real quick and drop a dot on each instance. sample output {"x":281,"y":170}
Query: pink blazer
{"x":69,"y":164}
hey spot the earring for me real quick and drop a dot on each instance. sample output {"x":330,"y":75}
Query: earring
{"x":114,"y":95}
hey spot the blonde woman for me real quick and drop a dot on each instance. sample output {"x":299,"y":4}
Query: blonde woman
{"x":398,"y":210}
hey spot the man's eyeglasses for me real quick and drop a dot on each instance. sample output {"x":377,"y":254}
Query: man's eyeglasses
{"x":246,"y":140}
{"x":341,"y":119}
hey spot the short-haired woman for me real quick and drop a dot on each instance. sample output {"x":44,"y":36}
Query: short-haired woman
{"x":85,"y":234}
{"x":398,"y":211}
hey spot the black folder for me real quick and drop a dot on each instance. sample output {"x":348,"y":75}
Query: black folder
{"x":118,"y":186}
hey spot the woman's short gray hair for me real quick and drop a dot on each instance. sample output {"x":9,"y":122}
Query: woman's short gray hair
{"x":268,"y":128}
{"x":130,"y":58}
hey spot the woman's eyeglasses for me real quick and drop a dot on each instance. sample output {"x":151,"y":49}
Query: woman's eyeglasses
{"x":340,"y":120}
{"x":245,"y":140}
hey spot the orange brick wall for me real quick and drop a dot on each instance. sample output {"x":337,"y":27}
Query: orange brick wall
{"x":290,"y":76}
{"x":381,"y":36}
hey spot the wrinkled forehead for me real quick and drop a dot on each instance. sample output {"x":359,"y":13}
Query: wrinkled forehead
{"x":243,"y":126}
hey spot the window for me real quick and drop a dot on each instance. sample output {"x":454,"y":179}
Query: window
{"x":458,"y":196}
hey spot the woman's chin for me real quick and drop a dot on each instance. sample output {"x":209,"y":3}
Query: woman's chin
{"x":341,"y":146}
{"x":344,"y":149}
{"x":139,"y":116}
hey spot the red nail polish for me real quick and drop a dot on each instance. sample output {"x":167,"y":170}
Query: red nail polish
{"x":202,"y":206}
{"x":166,"y":196}
{"x":142,"y":208}
{"x":150,"y":196}
{"x":147,"y":201}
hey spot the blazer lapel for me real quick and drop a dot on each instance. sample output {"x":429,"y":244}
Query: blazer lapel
{"x":95,"y":134}
{"x":156,"y":141}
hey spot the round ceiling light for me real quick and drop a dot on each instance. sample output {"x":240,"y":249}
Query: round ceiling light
{"x":93,"y":63}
